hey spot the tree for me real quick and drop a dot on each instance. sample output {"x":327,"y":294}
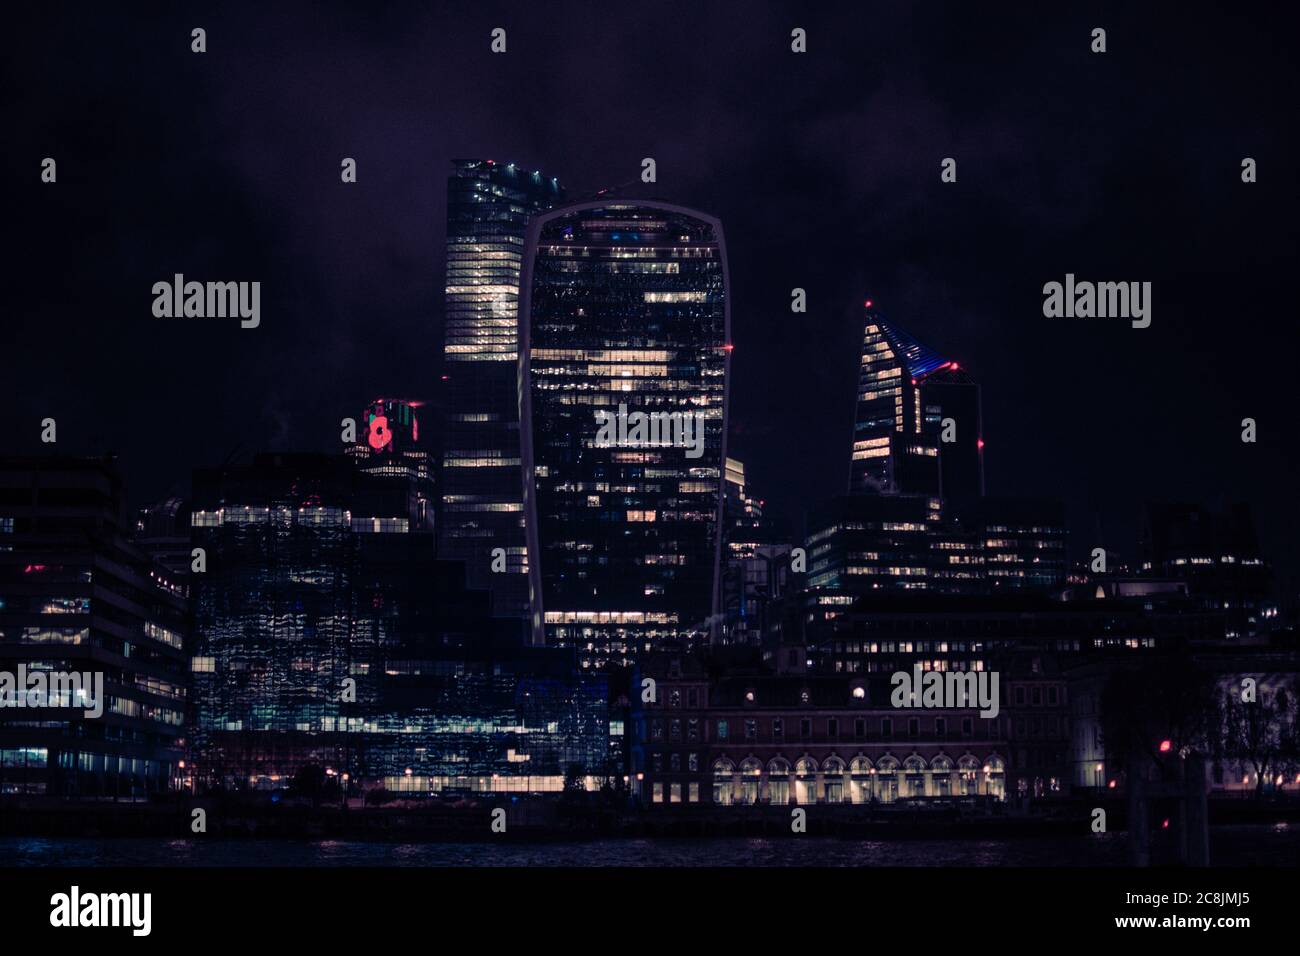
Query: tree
{"x":1161,"y":699}
{"x":1261,"y":733}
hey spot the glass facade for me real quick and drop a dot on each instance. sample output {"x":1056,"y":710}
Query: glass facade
{"x":917,"y":518}
{"x":329,"y":635}
{"x":78,"y":598}
{"x":625,"y":352}
{"x":273,"y":615}
{"x":905,"y":391}
{"x":488,"y":208}
{"x":868,"y":543}
{"x":509,"y":719}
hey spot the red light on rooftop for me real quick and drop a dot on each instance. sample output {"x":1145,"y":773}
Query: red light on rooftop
{"x":1166,"y":746}
{"x":980,"y":444}
{"x":728,"y":347}
{"x":1164,"y":825}
{"x":954,"y":365}
{"x":867,"y":304}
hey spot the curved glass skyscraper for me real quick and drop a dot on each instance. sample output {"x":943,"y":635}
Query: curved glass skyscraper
{"x":624,"y":353}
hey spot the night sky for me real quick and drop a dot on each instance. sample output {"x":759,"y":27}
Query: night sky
{"x":824,"y":169}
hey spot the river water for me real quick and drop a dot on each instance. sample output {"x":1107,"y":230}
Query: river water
{"x":1256,"y":845}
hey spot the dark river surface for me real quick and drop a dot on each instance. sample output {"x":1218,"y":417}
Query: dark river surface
{"x":1254,"y":845}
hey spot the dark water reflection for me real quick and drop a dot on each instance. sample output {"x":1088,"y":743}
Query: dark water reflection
{"x":1229,"y":846}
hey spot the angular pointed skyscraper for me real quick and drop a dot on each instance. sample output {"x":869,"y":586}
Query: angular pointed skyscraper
{"x":917,"y":427}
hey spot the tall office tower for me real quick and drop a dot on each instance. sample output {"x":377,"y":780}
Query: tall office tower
{"x":624,"y":338}
{"x":488,"y":209}
{"x":952,"y":414}
{"x":906,"y":391}
{"x":78,"y":599}
{"x":755,"y":567}
{"x":745,"y":527}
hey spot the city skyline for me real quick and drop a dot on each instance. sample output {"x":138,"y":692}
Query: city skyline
{"x":351,"y":280}
{"x":734,"y":438}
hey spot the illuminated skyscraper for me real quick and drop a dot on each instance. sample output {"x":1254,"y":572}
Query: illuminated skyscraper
{"x":488,"y":208}
{"x":624,"y":359}
{"x":906,"y":391}
{"x":916,"y":517}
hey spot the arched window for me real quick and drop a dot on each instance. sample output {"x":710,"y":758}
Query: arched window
{"x":805,"y":784}
{"x":968,"y":775}
{"x":862,"y":781}
{"x":914,"y":776}
{"x":995,"y":777}
{"x":751,"y":774}
{"x":887,"y":778}
{"x":833,"y":778}
{"x":723,"y":771}
{"x":941,"y":775}
{"x":778,"y":780}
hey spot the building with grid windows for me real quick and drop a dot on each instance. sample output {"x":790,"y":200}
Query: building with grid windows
{"x":624,"y":354}
{"x":329,"y":636}
{"x":907,"y":392}
{"x":78,"y":597}
{"x":489,"y":205}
